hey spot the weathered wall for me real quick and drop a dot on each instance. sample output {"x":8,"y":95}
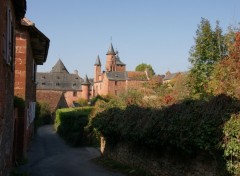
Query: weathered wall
{"x":6,"y":96}
{"x":164,"y":162}
{"x":70,"y":97}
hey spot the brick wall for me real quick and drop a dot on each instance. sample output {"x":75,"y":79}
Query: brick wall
{"x":6,"y":97}
{"x":25,"y":86}
{"x":70,"y":97}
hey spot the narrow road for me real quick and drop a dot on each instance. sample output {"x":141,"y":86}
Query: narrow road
{"x":50,"y":156}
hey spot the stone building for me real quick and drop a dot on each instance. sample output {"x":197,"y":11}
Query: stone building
{"x":59,"y":79}
{"x":31,"y":50}
{"x":115,"y":80}
{"x":11,"y":12}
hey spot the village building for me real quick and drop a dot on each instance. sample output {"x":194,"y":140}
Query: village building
{"x":31,"y":50}
{"x":115,"y":79}
{"x":11,"y":12}
{"x":59,"y":79}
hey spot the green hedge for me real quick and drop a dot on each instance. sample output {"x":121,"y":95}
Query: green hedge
{"x":70,"y":123}
{"x":190,"y":126}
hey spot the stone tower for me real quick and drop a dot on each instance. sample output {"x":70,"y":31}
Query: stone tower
{"x":86,"y":88}
{"x":111,"y":59}
{"x":97,"y":70}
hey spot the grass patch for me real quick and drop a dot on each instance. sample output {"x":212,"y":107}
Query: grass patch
{"x":116,"y":166}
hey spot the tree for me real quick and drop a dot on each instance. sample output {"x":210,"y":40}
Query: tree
{"x":225,"y":78}
{"x":145,"y":67}
{"x":209,"y":48}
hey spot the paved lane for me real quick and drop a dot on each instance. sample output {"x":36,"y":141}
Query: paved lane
{"x":50,"y":156}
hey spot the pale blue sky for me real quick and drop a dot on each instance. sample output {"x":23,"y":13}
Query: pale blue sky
{"x":156,"y":32}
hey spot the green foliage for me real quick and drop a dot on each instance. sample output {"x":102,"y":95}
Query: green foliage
{"x":19,"y":103}
{"x":231,"y":144}
{"x":70,"y":123}
{"x":209,"y":48}
{"x":98,"y":97}
{"x":145,"y":67}
{"x":43,"y":114}
{"x":82,"y":102}
{"x":184,"y":126}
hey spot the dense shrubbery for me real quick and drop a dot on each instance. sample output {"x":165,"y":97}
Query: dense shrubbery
{"x":70,"y":124}
{"x":190,"y":126}
{"x":43,"y":114}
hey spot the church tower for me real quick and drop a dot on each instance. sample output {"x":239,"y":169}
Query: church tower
{"x":111,"y":59}
{"x":97,"y":70}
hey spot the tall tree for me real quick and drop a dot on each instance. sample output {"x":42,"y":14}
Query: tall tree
{"x":209,"y":48}
{"x":145,"y":67}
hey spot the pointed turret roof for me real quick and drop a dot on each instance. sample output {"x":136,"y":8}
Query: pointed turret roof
{"x":59,"y":67}
{"x":86,"y":81}
{"x":118,"y":61}
{"x":98,"y":62}
{"x":111,"y":50}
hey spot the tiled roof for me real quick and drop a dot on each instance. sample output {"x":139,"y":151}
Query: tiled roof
{"x":170,"y":76}
{"x":117,"y":76}
{"x":52,"y":98}
{"x":59,"y":67}
{"x":58,"y":81}
{"x":86,"y":81}
{"x":111,"y":50}
{"x":128,"y":75}
{"x":98,"y":62}
{"x":118,"y":61}
{"x":137,"y":75}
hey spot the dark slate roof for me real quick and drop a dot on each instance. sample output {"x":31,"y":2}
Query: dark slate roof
{"x":58,"y":81}
{"x":59,"y":67}
{"x":170,"y":76}
{"x":86,"y":81}
{"x":98,"y":62}
{"x":117,"y":76}
{"x":111,"y":50}
{"x":118,"y":61}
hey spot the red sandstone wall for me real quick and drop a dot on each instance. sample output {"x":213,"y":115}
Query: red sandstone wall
{"x":70,"y":98}
{"x":6,"y":98}
{"x":25,"y":86}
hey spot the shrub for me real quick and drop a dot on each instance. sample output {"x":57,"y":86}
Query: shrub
{"x":43,"y":114}
{"x":190,"y":126}
{"x":70,"y":124}
{"x":231,"y":144}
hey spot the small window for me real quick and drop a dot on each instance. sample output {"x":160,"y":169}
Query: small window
{"x":74,"y":84}
{"x":115,"y":83}
{"x":57,"y":84}
{"x":43,"y":84}
{"x":43,"y":77}
{"x":58,"y":77}
{"x":74,"y":93}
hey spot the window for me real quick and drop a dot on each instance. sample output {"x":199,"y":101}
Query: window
{"x":43,"y":84}
{"x":34,"y":71}
{"x":57,"y":84}
{"x":9,"y":39}
{"x":74,"y":93}
{"x":115,"y":83}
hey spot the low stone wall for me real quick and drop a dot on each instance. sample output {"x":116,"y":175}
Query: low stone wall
{"x":165,"y":162}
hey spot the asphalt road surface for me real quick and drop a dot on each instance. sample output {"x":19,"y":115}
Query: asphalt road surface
{"x":50,"y":156}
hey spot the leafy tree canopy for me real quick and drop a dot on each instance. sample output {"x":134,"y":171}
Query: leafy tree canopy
{"x":144,"y":67}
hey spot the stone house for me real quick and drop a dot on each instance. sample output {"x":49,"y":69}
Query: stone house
{"x":59,"y":79}
{"x":11,"y":12}
{"x":116,"y":80}
{"x":31,"y":50}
